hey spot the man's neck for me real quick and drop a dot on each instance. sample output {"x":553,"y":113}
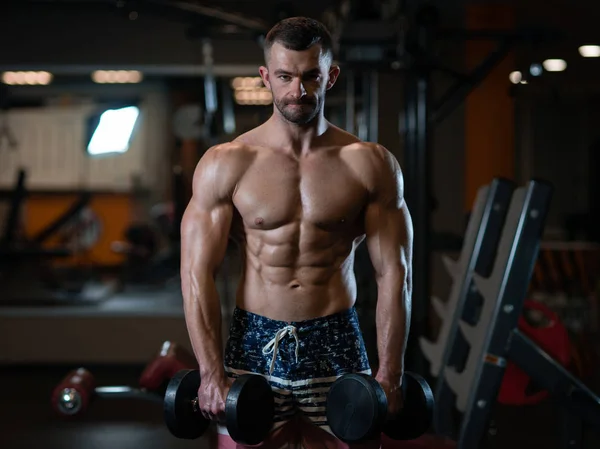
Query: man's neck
{"x":298,"y":138}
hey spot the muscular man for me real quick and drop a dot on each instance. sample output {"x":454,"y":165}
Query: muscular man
{"x":299,"y":195}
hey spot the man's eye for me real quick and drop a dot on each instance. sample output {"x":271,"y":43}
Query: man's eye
{"x":284,"y":78}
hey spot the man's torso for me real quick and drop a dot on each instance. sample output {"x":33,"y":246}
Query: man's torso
{"x":299,"y":219}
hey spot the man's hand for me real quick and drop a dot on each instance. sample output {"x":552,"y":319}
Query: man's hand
{"x":392,"y":386}
{"x":212,"y":395}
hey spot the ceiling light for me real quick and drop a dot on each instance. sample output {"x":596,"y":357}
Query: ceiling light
{"x":246,"y":82}
{"x":257,"y":97}
{"x":117,"y":76}
{"x":515,"y":77}
{"x":27,"y":78}
{"x":590,"y":51}
{"x":555,"y":65}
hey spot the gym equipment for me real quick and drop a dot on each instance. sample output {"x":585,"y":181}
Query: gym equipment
{"x":551,"y":335}
{"x":74,"y":394}
{"x":28,"y":277}
{"x":469,"y":374}
{"x":481,"y":239}
{"x":12,"y":247}
{"x":249,"y":408}
{"x":146,"y":263}
{"x":357,"y":409}
{"x":171,"y":359}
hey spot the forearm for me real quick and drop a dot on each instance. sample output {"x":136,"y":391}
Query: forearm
{"x":203,"y":319}
{"x":393,"y":323}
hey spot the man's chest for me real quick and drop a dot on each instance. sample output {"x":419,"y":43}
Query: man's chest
{"x":326,"y":195}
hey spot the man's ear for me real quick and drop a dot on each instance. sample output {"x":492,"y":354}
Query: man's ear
{"x":264,"y":74}
{"x":334,"y":72}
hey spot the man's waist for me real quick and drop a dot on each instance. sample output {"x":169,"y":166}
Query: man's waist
{"x":276,"y":318}
{"x":247,"y":317}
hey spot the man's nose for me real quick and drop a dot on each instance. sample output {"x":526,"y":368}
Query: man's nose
{"x":298,"y":89}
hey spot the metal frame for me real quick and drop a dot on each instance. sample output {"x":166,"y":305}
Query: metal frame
{"x":215,"y":13}
{"x":17,"y":197}
{"x":420,"y":114}
{"x":477,"y":256}
{"x":503,"y":293}
{"x":418,"y":193}
{"x":460,"y":90}
{"x":569,"y":391}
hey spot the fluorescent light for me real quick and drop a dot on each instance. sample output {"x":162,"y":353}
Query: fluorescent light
{"x":515,"y":77}
{"x":117,"y":76}
{"x":253,"y":97}
{"x":27,"y":78}
{"x":114,"y":131}
{"x":246,"y":82}
{"x":555,"y":65}
{"x":250,"y":90}
{"x":590,"y":51}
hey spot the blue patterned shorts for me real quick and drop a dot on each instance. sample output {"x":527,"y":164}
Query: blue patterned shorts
{"x":299,"y":359}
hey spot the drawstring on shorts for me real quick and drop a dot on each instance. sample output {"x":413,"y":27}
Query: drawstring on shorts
{"x":273,"y":345}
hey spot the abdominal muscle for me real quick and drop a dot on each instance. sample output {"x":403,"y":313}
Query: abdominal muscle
{"x":288,"y":282}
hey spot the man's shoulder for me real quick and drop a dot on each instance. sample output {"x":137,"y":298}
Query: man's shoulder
{"x":223,"y":165}
{"x":228,"y":150}
{"x":373,"y":164}
{"x":370,"y":155}
{"x":228,"y":156}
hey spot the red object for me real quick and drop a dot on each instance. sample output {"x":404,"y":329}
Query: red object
{"x":553,"y":338}
{"x":80,"y":380}
{"x":171,"y":359}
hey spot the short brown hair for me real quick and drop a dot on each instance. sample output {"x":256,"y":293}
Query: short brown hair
{"x":299,"y":34}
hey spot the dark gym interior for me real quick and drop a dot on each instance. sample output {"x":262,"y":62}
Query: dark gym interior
{"x":491,"y":107}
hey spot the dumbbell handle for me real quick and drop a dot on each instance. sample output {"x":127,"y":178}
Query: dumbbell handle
{"x":196,"y":404}
{"x":124,"y":392}
{"x":196,"y":408}
{"x":70,"y":403}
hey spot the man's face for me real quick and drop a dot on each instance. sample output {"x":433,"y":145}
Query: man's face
{"x":298,"y":81}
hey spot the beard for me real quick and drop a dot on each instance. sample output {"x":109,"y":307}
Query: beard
{"x":299,"y":112}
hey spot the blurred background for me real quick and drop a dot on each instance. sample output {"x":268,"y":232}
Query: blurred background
{"x":107,"y":106}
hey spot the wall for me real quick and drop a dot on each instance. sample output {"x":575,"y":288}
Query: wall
{"x":553,"y":144}
{"x":51,"y":148}
{"x":52,"y":141}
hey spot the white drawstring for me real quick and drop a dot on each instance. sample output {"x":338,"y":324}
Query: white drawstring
{"x":274,"y":344}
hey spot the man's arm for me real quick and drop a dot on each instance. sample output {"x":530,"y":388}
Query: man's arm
{"x":389,"y":236}
{"x":204,"y":233}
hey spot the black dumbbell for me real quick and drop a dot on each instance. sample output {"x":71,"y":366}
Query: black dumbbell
{"x":249,"y":408}
{"x":357,"y":409}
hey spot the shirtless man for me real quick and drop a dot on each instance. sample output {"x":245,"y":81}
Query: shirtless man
{"x":299,"y":195}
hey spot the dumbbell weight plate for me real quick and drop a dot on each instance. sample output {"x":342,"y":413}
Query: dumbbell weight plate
{"x":417,"y":412}
{"x":180,"y":417}
{"x":356,"y":408}
{"x":250,"y":409}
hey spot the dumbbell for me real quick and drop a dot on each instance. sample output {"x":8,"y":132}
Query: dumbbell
{"x":249,"y":408}
{"x":357,"y":409}
{"x":73,"y":395}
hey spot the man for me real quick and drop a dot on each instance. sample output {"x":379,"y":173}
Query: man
{"x":299,"y":195}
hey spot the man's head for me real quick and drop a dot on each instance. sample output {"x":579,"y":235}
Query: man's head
{"x":298,"y":67}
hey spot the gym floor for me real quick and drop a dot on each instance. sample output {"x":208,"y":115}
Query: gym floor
{"x":27,"y":421}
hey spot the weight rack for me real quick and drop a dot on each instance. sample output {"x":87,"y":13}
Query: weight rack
{"x":479,"y":331}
